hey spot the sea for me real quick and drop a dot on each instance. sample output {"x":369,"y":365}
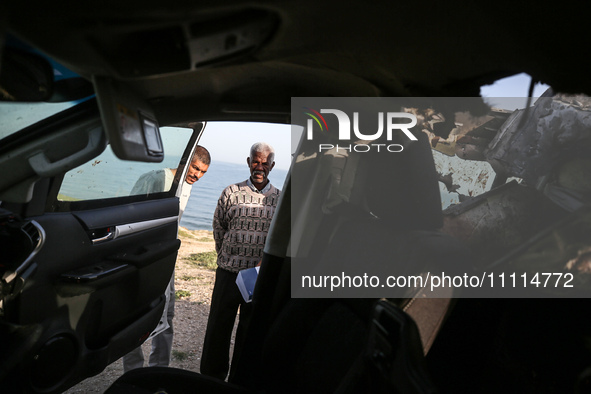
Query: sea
{"x":206,"y":192}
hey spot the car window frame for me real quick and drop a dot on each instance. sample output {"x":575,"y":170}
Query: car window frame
{"x":55,"y":205}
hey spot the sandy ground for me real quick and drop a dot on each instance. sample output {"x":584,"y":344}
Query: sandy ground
{"x":191,"y":312}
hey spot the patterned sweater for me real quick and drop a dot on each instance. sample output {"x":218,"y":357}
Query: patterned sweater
{"x":240,"y":225}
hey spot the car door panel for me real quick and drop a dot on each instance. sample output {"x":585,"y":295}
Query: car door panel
{"x":96,"y":301}
{"x":84,"y":282}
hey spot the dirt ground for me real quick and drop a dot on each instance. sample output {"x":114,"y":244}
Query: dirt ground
{"x":191,"y":312}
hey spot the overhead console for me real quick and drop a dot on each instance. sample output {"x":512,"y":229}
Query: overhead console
{"x":141,"y":50}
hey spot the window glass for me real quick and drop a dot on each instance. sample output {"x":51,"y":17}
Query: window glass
{"x":17,"y":116}
{"x":108,"y":176}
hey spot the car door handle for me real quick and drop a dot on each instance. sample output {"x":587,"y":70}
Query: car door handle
{"x":109,"y":235}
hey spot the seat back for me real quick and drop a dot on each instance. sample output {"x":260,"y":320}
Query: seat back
{"x":312,"y":345}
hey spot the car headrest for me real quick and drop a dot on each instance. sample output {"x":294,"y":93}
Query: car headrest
{"x":402,"y":188}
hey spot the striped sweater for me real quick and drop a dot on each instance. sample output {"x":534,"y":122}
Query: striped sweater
{"x":240,"y":225}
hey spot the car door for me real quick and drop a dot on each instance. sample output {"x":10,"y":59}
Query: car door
{"x":87,"y":257}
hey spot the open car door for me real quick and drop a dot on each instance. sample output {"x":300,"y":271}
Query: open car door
{"x":86,"y":260}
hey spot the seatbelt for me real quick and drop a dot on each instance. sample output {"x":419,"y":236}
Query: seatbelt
{"x":430,"y":313}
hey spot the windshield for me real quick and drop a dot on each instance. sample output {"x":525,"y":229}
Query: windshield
{"x":17,"y":116}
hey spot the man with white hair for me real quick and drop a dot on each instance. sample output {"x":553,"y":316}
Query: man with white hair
{"x":240,"y":226}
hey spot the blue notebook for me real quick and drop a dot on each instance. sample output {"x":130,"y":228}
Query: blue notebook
{"x":246,"y":280}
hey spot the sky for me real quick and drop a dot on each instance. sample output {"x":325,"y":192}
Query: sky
{"x":230,"y":142}
{"x":515,"y":87}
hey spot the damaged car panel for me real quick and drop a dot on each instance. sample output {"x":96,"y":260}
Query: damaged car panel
{"x":541,"y":152}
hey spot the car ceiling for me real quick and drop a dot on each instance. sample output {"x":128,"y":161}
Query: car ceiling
{"x":313,"y":48}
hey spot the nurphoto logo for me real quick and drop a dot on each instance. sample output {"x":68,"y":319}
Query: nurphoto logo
{"x":389,"y":119}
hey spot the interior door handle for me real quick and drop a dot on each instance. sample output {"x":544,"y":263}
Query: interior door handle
{"x":109,"y":235}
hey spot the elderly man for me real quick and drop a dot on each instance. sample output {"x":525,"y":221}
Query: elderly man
{"x":153,"y":182}
{"x":240,"y":225}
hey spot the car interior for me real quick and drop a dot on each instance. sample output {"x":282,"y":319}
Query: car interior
{"x":484,"y":190}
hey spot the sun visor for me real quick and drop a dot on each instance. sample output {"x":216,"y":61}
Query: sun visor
{"x":129,"y":121}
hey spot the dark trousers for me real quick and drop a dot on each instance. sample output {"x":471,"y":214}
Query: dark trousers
{"x":225,"y":300}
